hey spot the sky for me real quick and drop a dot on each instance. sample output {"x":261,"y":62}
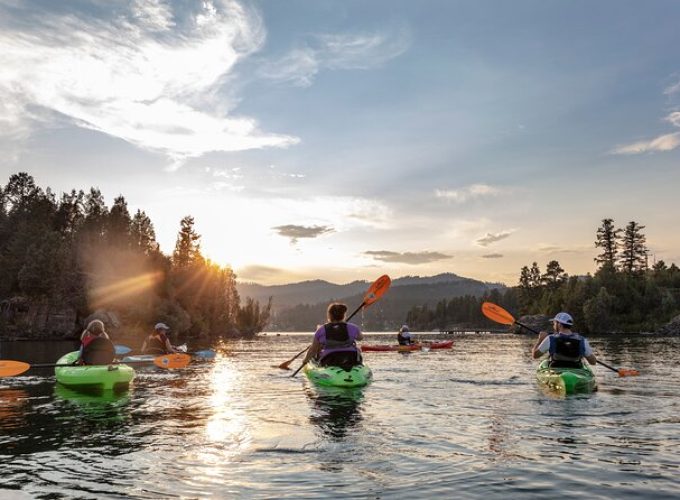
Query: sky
{"x":340,"y":139}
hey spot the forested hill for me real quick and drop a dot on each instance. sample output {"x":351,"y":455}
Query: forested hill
{"x":300,"y":306}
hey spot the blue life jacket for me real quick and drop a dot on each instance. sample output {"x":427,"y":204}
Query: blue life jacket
{"x":566,"y":350}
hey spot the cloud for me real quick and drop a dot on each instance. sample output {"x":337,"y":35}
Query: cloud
{"x":674,"y":118}
{"x":149,"y":73}
{"x":464,"y":194}
{"x":672,"y":89}
{"x":490,"y":238}
{"x":336,"y":51}
{"x":413,"y":258}
{"x":492,"y":256}
{"x":665,"y":142}
{"x":296,"y":232}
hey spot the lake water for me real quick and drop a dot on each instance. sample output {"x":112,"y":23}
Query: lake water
{"x":470,"y":422}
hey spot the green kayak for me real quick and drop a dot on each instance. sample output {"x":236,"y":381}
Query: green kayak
{"x":334,"y":376}
{"x":100,"y":377}
{"x":566,"y":380}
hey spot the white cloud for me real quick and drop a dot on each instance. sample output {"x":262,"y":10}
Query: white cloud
{"x":665,"y":142}
{"x":490,"y":238}
{"x":672,"y":89}
{"x":674,"y":118}
{"x":336,"y":51}
{"x":464,"y":194}
{"x":140,"y":77}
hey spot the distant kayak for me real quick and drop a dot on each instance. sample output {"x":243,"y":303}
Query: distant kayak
{"x":447,"y":344}
{"x":566,"y":380}
{"x":335,"y":376}
{"x":102,"y":377}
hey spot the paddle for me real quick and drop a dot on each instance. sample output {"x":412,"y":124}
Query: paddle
{"x":205,"y":354}
{"x":499,"y":315}
{"x":121,"y":350}
{"x":373,"y":294}
{"x":9,"y":368}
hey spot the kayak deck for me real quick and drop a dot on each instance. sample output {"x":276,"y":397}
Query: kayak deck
{"x":335,"y":376}
{"x":447,"y":344}
{"x":98,"y":377}
{"x":566,"y":380}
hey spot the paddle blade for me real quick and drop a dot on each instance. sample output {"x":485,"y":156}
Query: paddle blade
{"x":286,"y":365}
{"x":627,"y":372}
{"x":377,"y":289}
{"x":172,"y":361}
{"x":497,"y":313}
{"x":122,"y":349}
{"x":207,"y":354}
{"x":10,"y":368}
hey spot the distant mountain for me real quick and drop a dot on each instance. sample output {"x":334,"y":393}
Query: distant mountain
{"x":296,"y":306}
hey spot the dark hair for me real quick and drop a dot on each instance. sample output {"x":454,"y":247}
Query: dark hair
{"x":336,"y":311}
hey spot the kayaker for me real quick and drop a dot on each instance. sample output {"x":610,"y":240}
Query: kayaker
{"x":95,"y":345}
{"x":157,"y":342}
{"x":566,"y":348}
{"x":404,"y":336}
{"x":334,"y":343}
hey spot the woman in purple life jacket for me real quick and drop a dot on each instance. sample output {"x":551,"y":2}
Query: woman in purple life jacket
{"x":334,"y":343}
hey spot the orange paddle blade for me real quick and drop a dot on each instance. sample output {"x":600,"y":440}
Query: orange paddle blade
{"x":497,"y":314}
{"x":377,"y":289}
{"x":628,"y":372}
{"x":172,"y":361}
{"x":10,"y":368}
{"x":285,"y":365}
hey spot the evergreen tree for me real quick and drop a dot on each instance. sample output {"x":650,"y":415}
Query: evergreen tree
{"x":187,"y":248}
{"x":554,"y":275}
{"x":142,"y":233}
{"x":118,"y":224}
{"x":633,"y":258}
{"x":608,"y":241}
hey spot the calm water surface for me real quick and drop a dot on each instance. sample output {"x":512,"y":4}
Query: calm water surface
{"x":470,"y":422}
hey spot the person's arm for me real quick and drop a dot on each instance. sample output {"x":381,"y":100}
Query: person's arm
{"x":144,"y":345}
{"x":589,"y":355}
{"x":168,"y":346}
{"x":538,"y":349}
{"x":312,"y":352}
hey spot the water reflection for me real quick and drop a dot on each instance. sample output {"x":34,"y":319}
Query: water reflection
{"x":336,"y":411}
{"x":12,"y":405}
{"x":106,"y":406}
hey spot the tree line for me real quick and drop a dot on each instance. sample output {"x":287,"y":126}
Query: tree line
{"x":74,"y":253}
{"x":625,"y":293}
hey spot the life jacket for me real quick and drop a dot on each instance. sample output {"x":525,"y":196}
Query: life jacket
{"x":337,"y":336}
{"x":566,"y":350}
{"x":97,"y":351}
{"x":155,"y":344}
{"x":85,"y":341}
{"x":403,"y":339}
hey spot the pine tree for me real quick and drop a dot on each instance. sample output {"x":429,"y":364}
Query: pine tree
{"x":187,"y":248}
{"x":142,"y":233}
{"x":633,"y":258}
{"x":608,"y":241}
{"x":554,"y":275}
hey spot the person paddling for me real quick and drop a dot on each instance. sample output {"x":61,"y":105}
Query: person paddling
{"x":334,"y":343}
{"x":95,"y":346}
{"x":404,"y":336}
{"x":566,"y":348}
{"x":157,"y":342}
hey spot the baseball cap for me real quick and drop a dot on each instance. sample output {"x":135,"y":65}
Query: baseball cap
{"x":161,"y":326}
{"x":564,"y":318}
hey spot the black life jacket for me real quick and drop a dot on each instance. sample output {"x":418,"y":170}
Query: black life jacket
{"x":98,"y":351}
{"x":403,"y":340}
{"x":337,"y":336}
{"x":566,"y":350}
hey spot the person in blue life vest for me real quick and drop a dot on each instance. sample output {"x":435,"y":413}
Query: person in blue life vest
{"x":566,"y":348}
{"x":404,"y":336}
{"x":157,"y":342}
{"x":334,"y":343}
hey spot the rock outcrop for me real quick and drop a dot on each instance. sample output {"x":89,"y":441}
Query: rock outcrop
{"x":670,"y":328}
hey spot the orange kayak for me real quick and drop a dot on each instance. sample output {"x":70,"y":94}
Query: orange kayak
{"x":447,"y":344}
